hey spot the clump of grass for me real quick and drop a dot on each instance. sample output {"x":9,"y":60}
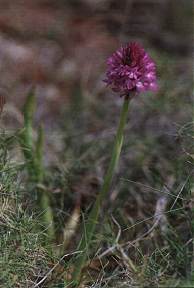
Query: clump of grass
{"x":23,"y":259}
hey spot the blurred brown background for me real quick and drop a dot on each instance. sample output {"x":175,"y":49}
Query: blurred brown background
{"x":55,"y":44}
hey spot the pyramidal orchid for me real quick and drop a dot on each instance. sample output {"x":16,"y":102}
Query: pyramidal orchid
{"x":130,"y":71}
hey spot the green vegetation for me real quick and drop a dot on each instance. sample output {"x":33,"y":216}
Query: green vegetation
{"x":145,"y":237}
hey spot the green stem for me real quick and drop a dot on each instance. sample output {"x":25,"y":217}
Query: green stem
{"x":26,"y":137}
{"x":93,"y":217}
{"x":43,"y":197}
{"x":38,"y":159}
{"x":33,"y":156}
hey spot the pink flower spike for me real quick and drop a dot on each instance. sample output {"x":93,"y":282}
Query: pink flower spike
{"x":131,"y":69}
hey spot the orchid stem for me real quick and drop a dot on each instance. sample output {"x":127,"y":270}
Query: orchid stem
{"x":94,"y":214}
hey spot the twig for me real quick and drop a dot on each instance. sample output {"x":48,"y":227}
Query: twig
{"x":165,"y":191}
{"x":181,"y":190}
